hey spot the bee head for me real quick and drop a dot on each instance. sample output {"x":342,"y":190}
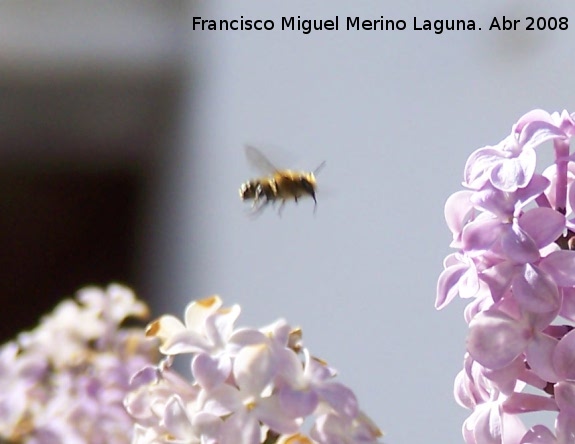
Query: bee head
{"x":308,"y":183}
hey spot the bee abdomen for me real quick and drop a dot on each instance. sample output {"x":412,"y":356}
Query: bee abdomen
{"x":248,"y":190}
{"x":257,"y":189}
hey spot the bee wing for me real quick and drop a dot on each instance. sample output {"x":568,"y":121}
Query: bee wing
{"x":259,"y":161}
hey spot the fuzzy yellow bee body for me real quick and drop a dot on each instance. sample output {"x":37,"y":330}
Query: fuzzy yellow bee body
{"x":279,"y":185}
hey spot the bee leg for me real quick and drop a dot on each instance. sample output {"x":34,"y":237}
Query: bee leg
{"x":258,"y":194}
{"x":281,"y":207}
{"x":314,"y":204}
{"x":257,"y":208}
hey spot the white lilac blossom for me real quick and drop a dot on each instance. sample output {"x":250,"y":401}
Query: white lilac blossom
{"x":514,"y":232}
{"x":247,"y":386}
{"x":65,"y":380}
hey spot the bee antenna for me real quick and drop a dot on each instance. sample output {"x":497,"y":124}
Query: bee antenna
{"x":319,"y":167}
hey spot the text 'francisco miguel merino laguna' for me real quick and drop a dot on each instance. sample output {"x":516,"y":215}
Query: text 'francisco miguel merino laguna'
{"x":349,"y":23}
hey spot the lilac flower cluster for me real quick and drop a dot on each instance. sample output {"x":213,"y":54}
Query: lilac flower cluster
{"x":65,"y":381}
{"x":514,"y":231}
{"x":248,"y":386}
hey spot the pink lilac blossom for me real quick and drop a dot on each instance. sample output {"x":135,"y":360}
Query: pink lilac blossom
{"x":65,"y":380}
{"x":514,"y":234}
{"x":247,"y":386}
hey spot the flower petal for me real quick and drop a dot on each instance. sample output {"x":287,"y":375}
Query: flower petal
{"x":176,"y":419}
{"x":495,"y":339}
{"x":478,"y":166}
{"x":447,"y":285}
{"x":561,"y":266}
{"x":564,"y":356}
{"x":538,"y":132}
{"x":565,"y":395}
{"x":340,"y":397}
{"x":535,"y":290}
{"x":568,"y":305}
{"x":539,"y":434}
{"x":254,"y":368}
{"x":458,"y":208}
{"x":210,"y":371}
{"x":565,"y":427}
{"x":298,"y":403}
{"x":516,"y":172}
{"x":517,"y":245}
{"x":481,"y":234}
{"x":539,"y":354}
{"x":499,"y":278}
{"x":198,"y":311}
{"x":543,"y":225}
{"x":528,"y":402}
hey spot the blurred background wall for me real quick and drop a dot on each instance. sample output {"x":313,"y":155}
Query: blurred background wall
{"x":121,"y":135}
{"x":89,"y":95}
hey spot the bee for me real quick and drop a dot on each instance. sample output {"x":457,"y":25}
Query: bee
{"x":278,"y":185}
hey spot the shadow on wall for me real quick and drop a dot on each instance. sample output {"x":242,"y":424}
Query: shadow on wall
{"x":84,"y":125}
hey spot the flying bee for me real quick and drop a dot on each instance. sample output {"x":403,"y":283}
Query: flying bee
{"x":278,"y":185}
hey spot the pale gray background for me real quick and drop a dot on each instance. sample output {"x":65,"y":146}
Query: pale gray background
{"x":394,"y":114}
